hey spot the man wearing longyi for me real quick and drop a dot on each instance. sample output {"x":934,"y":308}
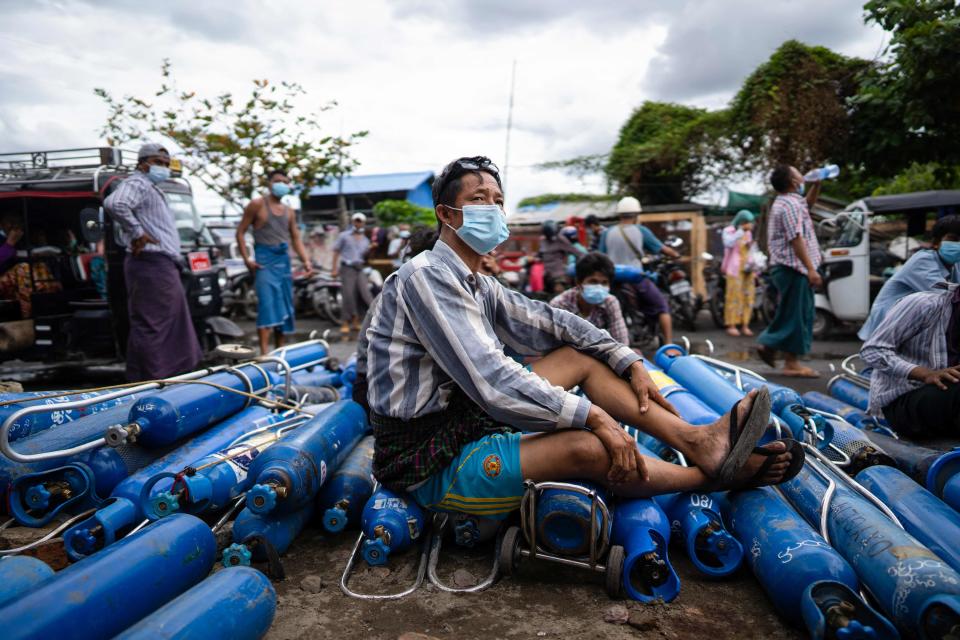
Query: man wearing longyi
{"x":447,"y":398}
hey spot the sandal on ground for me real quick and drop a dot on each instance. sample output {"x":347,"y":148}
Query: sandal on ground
{"x":744,"y":438}
{"x":768,"y":355}
{"x":803,"y":372}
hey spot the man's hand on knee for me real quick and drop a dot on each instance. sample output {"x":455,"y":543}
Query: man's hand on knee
{"x":625,"y":457}
{"x":646,"y":389}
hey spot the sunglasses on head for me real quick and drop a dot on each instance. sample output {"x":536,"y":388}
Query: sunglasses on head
{"x":466,"y":165}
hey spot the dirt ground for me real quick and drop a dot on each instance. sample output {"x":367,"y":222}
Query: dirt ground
{"x":543,"y":601}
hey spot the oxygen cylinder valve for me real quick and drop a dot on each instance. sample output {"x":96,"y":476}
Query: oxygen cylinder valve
{"x":466,"y":532}
{"x":839,"y":616}
{"x":262,"y":498}
{"x":376,"y":552}
{"x":38,"y":497}
{"x":164,"y":504}
{"x":335,"y":518}
{"x":84,"y":541}
{"x":715,"y":542}
{"x":236,"y":555}
{"x":653,"y":571}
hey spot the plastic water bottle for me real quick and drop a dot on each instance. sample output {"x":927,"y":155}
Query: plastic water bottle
{"x":823,"y":173}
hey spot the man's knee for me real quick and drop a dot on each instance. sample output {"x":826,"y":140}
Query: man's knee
{"x":586,"y":454}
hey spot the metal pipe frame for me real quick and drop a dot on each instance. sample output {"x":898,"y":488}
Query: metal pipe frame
{"x":528,"y":514}
{"x":348,"y":570}
{"x":437,"y":542}
{"x":736,"y":370}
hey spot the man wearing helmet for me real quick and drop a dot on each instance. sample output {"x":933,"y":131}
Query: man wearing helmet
{"x":554,"y":250}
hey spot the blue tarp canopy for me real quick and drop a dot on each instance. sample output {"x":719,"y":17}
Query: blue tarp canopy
{"x":379,"y":183}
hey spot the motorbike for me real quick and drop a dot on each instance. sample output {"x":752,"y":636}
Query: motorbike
{"x":644,"y":331}
{"x":325,"y":296}
{"x":674,"y":281}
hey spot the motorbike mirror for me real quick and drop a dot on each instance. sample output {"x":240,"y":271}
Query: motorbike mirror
{"x":673,"y":242}
{"x":706,"y":256}
{"x":90,"y":227}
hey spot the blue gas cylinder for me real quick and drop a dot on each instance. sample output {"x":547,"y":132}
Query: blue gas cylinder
{"x":856,"y":417}
{"x":391,"y":524}
{"x":850,"y":392}
{"x":921,"y":513}
{"x":702,"y":380}
{"x":124,"y":512}
{"x":687,"y":404}
{"x":289,"y":474}
{"x":342,"y":498}
{"x":628,"y":273}
{"x":642,"y":529}
{"x":563,"y":520}
{"x":238,"y":603}
{"x":798,"y":419}
{"x":19,"y":574}
{"x":82,"y":430}
{"x":36,"y":422}
{"x":696,"y":524}
{"x":279,"y":530}
{"x":101,"y":596}
{"x":318,"y":378}
{"x":912,"y":585}
{"x":781,"y":397}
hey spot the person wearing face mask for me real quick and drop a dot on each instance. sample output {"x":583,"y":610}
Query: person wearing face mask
{"x":447,"y":395}
{"x":349,"y":256}
{"x":925,"y":268}
{"x":162,"y":341}
{"x":591,"y":298}
{"x":794,"y":259}
{"x":275,"y":230}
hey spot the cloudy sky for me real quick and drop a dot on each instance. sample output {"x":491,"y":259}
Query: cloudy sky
{"x":430,"y":79}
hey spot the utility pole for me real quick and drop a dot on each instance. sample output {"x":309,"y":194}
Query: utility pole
{"x":506,"y":151}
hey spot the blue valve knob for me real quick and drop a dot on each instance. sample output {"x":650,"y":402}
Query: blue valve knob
{"x":334,"y":519}
{"x":38,"y":497}
{"x":81,"y":540}
{"x":262,"y":498}
{"x":164,"y":504}
{"x":856,"y":631}
{"x":719,"y":543}
{"x":376,"y":552}
{"x":236,"y":555}
{"x":466,"y":533}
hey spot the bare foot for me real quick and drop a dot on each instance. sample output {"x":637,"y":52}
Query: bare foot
{"x":733,"y":331}
{"x":710,"y":445}
{"x":799,"y":372}
{"x":746,"y":331}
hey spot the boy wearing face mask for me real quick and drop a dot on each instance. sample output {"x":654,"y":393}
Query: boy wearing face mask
{"x":274,"y":231}
{"x":447,"y":396}
{"x":162,"y":341}
{"x":924,"y":269}
{"x":591,"y":298}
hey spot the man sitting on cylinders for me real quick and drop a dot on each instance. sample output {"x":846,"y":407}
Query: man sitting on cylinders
{"x":447,"y":399}
{"x":915,"y":355}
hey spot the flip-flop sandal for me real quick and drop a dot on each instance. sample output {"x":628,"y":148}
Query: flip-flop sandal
{"x":743,"y":440}
{"x":797,"y":457}
{"x":768,"y":355}
{"x":801,"y":373}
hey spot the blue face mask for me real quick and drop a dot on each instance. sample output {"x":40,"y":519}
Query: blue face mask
{"x":158,"y":173}
{"x":949,"y":251}
{"x":484,"y":227}
{"x":802,"y":188}
{"x":594,"y":293}
{"x":280,"y":189}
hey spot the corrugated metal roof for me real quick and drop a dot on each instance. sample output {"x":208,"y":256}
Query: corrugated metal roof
{"x":378,"y":183}
{"x":560,"y":211}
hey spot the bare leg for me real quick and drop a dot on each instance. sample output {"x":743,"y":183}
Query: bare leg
{"x":573,"y":454}
{"x":666,"y":326}
{"x":278,"y":338}
{"x":792,"y":366}
{"x":263,"y":333}
{"x":706,"y":446}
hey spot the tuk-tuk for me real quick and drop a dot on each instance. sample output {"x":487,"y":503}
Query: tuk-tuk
{"x":857,"y":262}
{"x":63,"y":300}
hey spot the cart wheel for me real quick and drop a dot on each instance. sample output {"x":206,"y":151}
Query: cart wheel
{"x":510,"y":551}
{"x":613,"y":576}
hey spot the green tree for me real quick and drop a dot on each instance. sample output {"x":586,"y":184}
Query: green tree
{"x":390,"y":212}
{"x":908,"y":107}
{"x":229,"y":142}
{"x":921,"y":177}
{"x":668,"y":152}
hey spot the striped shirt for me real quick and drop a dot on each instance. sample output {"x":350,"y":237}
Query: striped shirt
{"x":912,"y":334}
{"x":353,"y":247}
{"x":606,"y":315}
{"x":438,"y":327}
{"x":138,"y":206}
{"x":789,"y":218}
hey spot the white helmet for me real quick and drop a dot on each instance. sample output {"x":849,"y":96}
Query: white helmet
{"x":628,"y":205}
{"x":358,"y":216}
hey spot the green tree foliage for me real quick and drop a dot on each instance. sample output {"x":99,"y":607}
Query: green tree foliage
{"x":667,"y":152}
{"x":793,"y":108}
{"x":550,"y":198}
{"x":908,"y":109}
{"x":390,"y":212}
{"x":229,"y":142}
{"x":921,"y":177}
